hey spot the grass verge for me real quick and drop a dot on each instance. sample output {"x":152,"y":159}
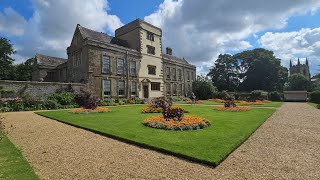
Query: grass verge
{"x":12,"y":163}
{"x":210,"y":146}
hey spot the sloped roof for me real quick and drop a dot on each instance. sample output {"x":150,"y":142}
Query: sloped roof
{"x":101,"y":37}
{"x":174,"y":58}
{"x":49,"y":60}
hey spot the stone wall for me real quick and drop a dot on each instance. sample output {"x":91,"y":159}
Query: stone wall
{"x":37,"y":89}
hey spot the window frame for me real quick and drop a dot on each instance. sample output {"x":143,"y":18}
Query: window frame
{"x":122,"y":69}
{"x":168,"y":89}
{"x":135,"y":68}
{"x":124,"y":88}
{"x":174,"y":74}
{"x":135,"y":88}
{"x":151,"y":50}
{"x":168,"y":73}
{"x":152,"y":67}
{"x":180,"y":74}
{"x":103,"y":87}
{"x":155,"y":86}
{"x":150,"y":36}
{"x":102,"y":63}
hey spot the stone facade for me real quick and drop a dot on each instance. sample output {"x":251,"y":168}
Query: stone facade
{"x":49,"y":69}
{"x":300,"y":69}
{"x":38,"y":89}
{"x":131,"y":64}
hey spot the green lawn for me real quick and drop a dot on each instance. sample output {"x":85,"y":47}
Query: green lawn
{"x":210,"y":145}
{"x":312,"y":104}
{"x":12,"y":163}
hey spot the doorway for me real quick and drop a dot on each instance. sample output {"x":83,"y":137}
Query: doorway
{"x":145,"y":91}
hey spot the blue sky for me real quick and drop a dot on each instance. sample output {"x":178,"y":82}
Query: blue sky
{"x":196,"y":31}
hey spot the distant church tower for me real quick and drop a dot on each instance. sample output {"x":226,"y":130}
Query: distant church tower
{"x":300,"y":69}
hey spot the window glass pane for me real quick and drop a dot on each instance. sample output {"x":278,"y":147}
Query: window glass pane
{"x":121,"y":88}
{"x":152,"y":70}
{"x":120,"y":66}
{"x":155,"y":86}
{"x":168,"y":89}
{"x":105,"y":64}
{"x":174,"y":74}
{"x":133,"y":88}
{"x":133,"y":68}
{"x":106,"y":87}
{"x":168,"y":72}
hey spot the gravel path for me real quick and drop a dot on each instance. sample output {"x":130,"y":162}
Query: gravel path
{"x":287,"y":146}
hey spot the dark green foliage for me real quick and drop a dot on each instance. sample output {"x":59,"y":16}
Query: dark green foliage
{"x":203,"y":88}
{"x":51,"y":104}
{"x":173,"y":113}
{"x":224,"y":73}
{"x":220,"y":94}
{"x":63,"y":98}
{"x":260,"y":69}
{"x":298,"y":82}
{"x":86,"y":100}
{"x":23,"y":71}
{"x":258,"y":95}
{"x":315,"y":97}
{"x":6,"y":62}
{"x":274,"y":96}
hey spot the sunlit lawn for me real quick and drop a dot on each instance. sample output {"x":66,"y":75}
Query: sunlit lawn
{"x":12,"y":163}
{"x":210,"y":145}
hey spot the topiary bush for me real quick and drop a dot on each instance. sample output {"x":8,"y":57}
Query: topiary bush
{"x":86,"y":100}
{"x":274,"y":96}
{"x":173,"y":113}
{"x":315,"y":97}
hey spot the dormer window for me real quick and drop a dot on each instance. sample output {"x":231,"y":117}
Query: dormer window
{"x":150,"y":36}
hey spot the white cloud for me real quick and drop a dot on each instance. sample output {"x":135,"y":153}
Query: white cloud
{"x":200,"y":30}
{"x":291,"y":45}
{"x":11,"y":23}
{"x":52,"y":25}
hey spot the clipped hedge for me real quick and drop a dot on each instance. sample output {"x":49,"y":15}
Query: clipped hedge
{"x":315,"y":97}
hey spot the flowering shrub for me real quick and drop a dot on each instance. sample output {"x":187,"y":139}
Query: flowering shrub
{"x":86,"y":100}
{"x":171,"y":113}
{"x":232,"y":109}
{"x":86,"y":111}
{"x":161,"y":102}
{"x":185,"y":123}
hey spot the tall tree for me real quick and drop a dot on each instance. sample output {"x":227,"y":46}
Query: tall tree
{"x":203,"y":88}
{"x":224,"y":73}
{"x":298,"y":82}
{"x":23,"y":71}
{"x":6,"y":62}
{"x":260,"y":69}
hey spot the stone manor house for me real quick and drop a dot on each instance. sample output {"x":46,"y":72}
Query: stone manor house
{"x":131,"y":64}
{"x":300,"y":69}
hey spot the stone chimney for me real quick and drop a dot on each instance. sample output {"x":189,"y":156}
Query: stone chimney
{"x":168,"y":51}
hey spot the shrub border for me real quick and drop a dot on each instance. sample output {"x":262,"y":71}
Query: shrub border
{"x":161,"y":150}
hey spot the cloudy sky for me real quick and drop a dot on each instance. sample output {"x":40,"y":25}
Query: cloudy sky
{"x":196,"y":30}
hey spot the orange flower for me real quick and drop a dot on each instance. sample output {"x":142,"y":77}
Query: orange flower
{"x":233,"y":109}
{"x":186,"y":123}
{"x":99,"y":109}
{"x":258,"y":102}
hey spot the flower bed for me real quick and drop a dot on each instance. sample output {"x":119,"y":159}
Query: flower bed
{"x":258,"y":102}
{"x":151,"y":110}
{"x":217,"y":100}
{"x":232,"y":109}
{"x":185,"y":123}
{"x":86,"y":111}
